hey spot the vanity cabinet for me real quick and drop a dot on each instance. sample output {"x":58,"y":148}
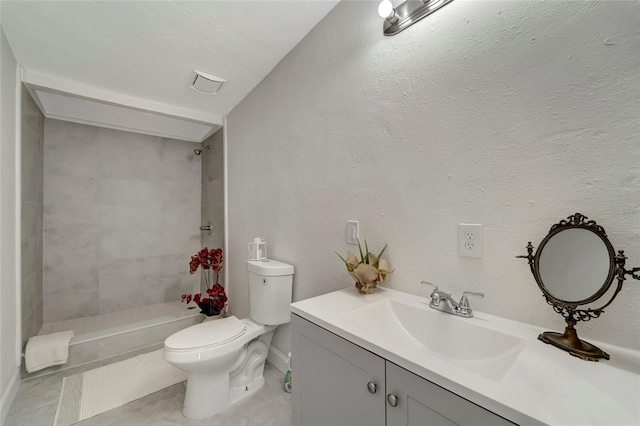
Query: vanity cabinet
{"x":336,"y":382}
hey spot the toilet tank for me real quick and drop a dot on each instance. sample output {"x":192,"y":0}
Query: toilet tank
{"x":270,"y":291}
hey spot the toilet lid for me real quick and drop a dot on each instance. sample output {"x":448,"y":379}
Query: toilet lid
{"x":208,"y":333}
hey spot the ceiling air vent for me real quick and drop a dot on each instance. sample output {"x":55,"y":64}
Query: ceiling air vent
{"x":207,"y":83}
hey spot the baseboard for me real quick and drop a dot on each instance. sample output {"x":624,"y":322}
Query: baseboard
{"x":278,"y":359}
{"x":9,"y":394}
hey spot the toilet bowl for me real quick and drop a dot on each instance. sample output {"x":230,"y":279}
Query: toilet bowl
{"x":225,"y":357}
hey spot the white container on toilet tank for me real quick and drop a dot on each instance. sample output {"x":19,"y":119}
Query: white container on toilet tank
{"x":270,"y":290}
{"x":258,"y":249}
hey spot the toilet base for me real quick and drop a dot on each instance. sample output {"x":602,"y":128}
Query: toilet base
{"x":241,"y":393}
{"x":206,"y":395}
{"x":211,"y":393}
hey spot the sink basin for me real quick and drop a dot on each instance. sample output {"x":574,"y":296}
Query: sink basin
{"x":466,"y":342}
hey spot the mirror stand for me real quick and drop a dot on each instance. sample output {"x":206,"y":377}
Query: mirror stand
{"x":570,"y":342}
{"x":575,"y":265}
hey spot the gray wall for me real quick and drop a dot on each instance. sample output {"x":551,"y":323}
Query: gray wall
{"x":32,"y":207}
{"x":213,"y":195}
{"x":121,"y":218}
{"x":510,"y":114}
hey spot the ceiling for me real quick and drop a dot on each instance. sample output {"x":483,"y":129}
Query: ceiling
{"x":142,"y":54}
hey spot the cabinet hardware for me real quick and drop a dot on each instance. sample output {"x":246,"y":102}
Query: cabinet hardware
{"x":392,"y":400}
{"x":371,"y":387}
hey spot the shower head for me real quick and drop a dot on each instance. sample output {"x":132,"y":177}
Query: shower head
{"x":199,"y":151}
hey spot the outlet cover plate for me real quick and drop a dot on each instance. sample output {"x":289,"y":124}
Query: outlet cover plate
{"x":353,"y":231}
{"x":470,"y":240}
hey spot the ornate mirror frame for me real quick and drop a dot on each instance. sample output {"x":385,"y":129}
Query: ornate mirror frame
{"x":570,"y":310}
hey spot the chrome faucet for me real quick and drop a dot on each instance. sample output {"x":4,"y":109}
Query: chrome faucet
{"x":444,"y":302}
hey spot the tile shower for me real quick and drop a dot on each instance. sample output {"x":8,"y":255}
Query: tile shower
{"x":119,"y":219}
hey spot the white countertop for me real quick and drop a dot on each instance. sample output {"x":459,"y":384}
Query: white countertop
{"x":543,"y":385}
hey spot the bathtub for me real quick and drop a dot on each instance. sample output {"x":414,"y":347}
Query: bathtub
{"x":107,"y":338}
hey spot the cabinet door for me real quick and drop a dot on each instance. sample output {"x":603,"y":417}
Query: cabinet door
{"x":422,"y":403}
{"x":330,"y":379}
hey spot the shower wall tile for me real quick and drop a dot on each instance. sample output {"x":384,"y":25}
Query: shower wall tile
{"x":31,"y":322}
{"x":32,"y":211}
{"x":175,"y":242}
{"x":65,"y":188}
{"x":130,"y":192}
{"x":125,"y":242}
{"x":63,"y":306}
{"x":141,"y":217}
{"x":214,"y":193}
{"x":117,"y":205}
{"x":175,"y":264}
{"x":31,"y":220}
{"x":178,"y":285}
{"x":82,"y":249}
{"x":117,"y":300}
{"x":77,"y":216}
{"x":212,"y":205}
{"x":181,"y":217}
{"x":70,"y":149}
{"x":31,"y":256}
{"x":68,"y":278}
{"x":31,"y":292}
{"x":180,"y":164}
{"x":127,"y":155}
{"x":181,"y":194}
{"x":123,"y":274}
{"x":32,"y":182}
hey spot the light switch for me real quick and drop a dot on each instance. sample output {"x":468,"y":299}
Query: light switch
{"x":353,"y":231}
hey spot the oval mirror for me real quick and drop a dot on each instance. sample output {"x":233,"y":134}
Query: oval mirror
{"x":575,"y":265}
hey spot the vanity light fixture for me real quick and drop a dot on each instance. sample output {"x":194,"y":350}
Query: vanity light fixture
{"x":406,"y":14}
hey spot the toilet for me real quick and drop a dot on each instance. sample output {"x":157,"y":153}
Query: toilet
{"x":225,"y":357}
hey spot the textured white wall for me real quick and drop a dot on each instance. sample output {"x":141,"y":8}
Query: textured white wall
{"x":8,"y":270}
{"x":510,"y":114}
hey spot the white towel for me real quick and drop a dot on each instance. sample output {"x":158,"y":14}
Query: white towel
{"x":47,"y":350}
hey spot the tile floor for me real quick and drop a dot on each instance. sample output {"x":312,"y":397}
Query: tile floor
{"x":37,"y":400}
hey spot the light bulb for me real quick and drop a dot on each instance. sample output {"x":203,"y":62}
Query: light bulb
{"x":385,"y":9}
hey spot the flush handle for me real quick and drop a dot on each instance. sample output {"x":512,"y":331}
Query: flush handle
{"x":392,"y":400}
{"x":371,"y":387}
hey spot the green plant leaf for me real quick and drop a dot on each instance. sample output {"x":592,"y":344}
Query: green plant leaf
{"x":347,"y":264}
{"x":380,"y":255}
{"x":360,"y":250}
{"x":366,"y":249}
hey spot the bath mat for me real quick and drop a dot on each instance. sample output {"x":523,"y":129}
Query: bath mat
{"x":93,"y":392}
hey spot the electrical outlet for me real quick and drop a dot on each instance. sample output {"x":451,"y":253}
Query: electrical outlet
{"x":353,"y":231}
{"x":470,"y":240}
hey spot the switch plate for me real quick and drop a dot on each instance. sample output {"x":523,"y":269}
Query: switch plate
{"x":470,"y":240}
{"x":353,"y":231}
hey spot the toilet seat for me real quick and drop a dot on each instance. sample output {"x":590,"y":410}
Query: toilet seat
{"x":208,"y":334}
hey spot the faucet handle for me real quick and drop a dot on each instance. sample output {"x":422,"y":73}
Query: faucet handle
{"x":435,"y":295}
{"x":428,"y":283}
{"x":464,"y":302}
{"x":463,"y":306}
{"x":473,"y":293}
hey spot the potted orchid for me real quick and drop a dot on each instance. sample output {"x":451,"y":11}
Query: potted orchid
{"x":215,"y":298}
